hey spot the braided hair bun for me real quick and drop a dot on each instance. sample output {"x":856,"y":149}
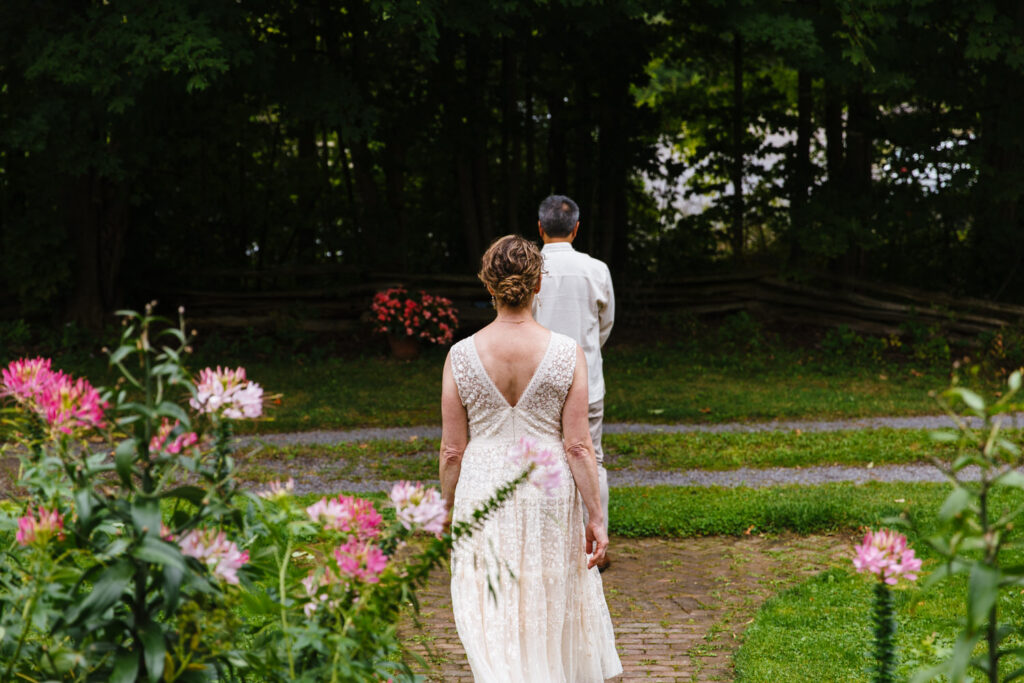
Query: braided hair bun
{"x":511,"y":268}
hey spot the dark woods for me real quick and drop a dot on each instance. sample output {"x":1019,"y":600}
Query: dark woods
{"x":174,"y":145}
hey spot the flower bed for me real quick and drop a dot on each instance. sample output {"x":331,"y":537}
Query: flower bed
{"x":142,"y":559}
{"x":422,"y":316}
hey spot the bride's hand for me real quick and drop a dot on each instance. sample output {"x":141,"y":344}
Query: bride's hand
{"x":597,"y":543}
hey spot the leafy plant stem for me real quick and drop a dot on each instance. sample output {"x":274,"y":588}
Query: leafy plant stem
{"x":282,"y":574}
{"x":24,"y":632}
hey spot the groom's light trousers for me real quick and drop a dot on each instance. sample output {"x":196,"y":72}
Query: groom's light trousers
{"x":595,"y":414}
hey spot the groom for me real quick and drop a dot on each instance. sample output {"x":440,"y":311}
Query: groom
{"x":576,"y":299}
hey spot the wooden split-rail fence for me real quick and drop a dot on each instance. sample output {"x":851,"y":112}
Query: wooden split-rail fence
{"x":287,"y":299}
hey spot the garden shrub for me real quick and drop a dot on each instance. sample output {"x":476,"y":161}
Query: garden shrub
{"x":137,"y":557}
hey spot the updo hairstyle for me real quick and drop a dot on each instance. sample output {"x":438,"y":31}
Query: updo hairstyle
{"x":511,"y":268}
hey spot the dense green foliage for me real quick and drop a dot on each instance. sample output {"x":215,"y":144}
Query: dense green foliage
{"x":154,"y":145}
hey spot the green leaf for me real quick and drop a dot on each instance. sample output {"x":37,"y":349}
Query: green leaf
{"x":192,"y":494}
{"x":172,"y":586}
{"x":1012,"y":478}
{"x":120,"y":354}
{"x":154,"y":650}
{"x":107,"y":590}
{"x":124,"y":458}
{"x":146,"y":515}
{"x":141,"y":409}
{"x":173,"y":410}
{"x":1007,"y":446}
{"x":926,"y":675}
{"x":113,"y":550}
{"x":961,"y":659}
{"x":971,"y":399}
{"x":156,"y":550}
{"x":945,"y":436}
{"x":84,"y":507}
{"x":126,"y":668}
{"x":982,"y":592}
{"x":955,"y":503}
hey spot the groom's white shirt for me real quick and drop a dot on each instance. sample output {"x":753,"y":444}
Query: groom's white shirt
{"x":576,"y":298}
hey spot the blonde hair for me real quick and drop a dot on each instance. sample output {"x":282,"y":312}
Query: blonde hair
{"x":511,"y":268}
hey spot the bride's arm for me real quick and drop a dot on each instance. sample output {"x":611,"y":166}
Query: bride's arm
{"x":582,"y":461}
{"x":454,"y":435}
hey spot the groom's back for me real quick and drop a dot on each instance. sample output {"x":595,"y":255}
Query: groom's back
{"x":576,"y":299}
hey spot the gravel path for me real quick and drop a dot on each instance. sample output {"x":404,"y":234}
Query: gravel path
{"x":751,"y":477}
{"x":434,"y":432}
{"x":747,"y":476}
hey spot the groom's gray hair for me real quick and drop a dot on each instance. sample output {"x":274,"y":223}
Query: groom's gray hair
{"x":558,"y":215}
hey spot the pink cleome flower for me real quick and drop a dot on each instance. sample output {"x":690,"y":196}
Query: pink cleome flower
{"x":277,"y":489}
{"x":885,"y":554}
{"x":543,"y":463}
{"x":360,"y":560}
{"x":214,"y":550}
{"x":39,"y":528}
{"x":316,"y":590}
{"x":347,"y":514}
{"x":26,"y":378}
{"x":227,"y":392}
{"x":418,"y":507}
{"x":162,"y":440}
{"x":66,"y":404}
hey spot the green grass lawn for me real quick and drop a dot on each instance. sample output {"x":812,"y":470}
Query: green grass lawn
{"x":681,"y":512}
{"x":726,"y":451}
{"x":644,"y":385}
{"x":660,"y":383}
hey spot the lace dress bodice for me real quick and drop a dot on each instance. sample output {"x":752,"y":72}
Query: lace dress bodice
{"x":538,"y":412}
{"x":526,"y":607}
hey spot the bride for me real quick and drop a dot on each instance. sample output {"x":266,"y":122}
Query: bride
{"x":528,"y":601}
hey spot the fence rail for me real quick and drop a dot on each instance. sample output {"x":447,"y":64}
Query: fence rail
{"x":820,"y":300}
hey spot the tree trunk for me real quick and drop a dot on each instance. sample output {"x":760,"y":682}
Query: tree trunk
{"x":303,"y":237}
{"x":583,"y":170}
{"x":736,"y":231}
{"x":467,"y":204}
{"x":482,"y":192}
{"x":613,"y":170}
{"x":834,"y":153}
{"x":394,"y":174}
{"x":558,"y":169}
{"x":529,"y":138}
{"x":511,"y":156}
{"x":97,"y":214}
{"x":800,"y":177}
{"x":856,"y":176}
{"x":995,"y":239}
{"x":366,"y":186}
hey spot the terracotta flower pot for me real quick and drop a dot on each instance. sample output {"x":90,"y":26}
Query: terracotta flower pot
{"x":404,"y":348}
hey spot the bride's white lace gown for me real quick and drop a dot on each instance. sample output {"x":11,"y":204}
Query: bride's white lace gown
{"x":526,"y":607}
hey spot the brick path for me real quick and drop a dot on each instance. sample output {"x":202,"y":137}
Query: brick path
{"x":679,"y":606}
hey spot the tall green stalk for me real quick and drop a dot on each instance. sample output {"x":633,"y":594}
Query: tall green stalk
{"x":884,"y":620}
